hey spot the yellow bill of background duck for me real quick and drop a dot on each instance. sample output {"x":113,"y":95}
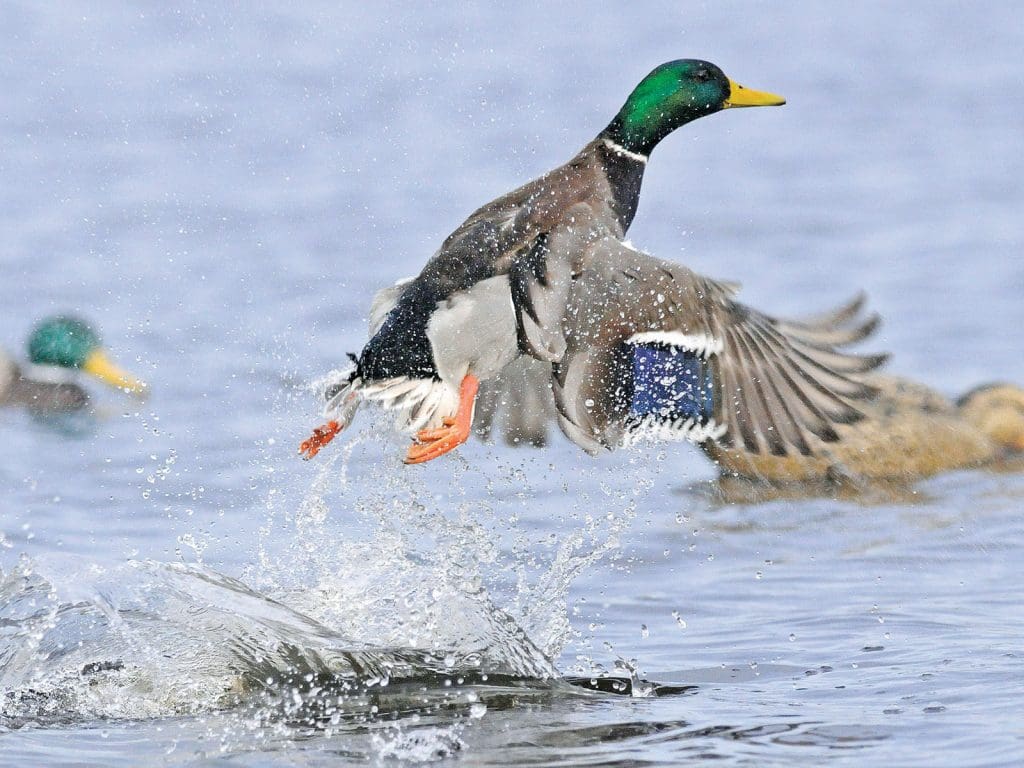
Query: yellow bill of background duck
{"x":99,"y":364}
{"x":69,"y":342}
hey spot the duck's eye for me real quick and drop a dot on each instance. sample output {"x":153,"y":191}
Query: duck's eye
{"x":702,"y":75}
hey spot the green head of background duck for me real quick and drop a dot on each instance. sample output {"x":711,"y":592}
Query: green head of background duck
{"x":674,"y":94}
{"x":57,"y":346}
{"x":69,"y":342}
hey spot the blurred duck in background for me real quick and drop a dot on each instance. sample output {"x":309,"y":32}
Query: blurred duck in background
{"x":58,"y":348}
{"x":909,"y":432}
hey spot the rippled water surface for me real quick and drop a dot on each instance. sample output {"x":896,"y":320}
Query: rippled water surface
{"x":221,"y":187}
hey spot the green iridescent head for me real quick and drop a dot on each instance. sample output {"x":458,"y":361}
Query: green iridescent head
{"x":62,"y":340}
{"x":69,"y":342}
{"x":675,"y":94}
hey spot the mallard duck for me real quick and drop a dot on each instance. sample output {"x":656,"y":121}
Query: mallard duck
{"x":56,"y":346}
{"x":472,"y":310}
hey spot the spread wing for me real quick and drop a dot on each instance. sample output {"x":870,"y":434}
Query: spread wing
{"x":652,"y":349}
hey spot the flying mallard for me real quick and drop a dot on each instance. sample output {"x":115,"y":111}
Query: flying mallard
{"x":57,"y":346}
{"x":436,"y":336}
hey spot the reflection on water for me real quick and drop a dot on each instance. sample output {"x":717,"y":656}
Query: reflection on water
{"x":151,"y":639}
{"x":398,"y":650}
{"x":727,"y":490}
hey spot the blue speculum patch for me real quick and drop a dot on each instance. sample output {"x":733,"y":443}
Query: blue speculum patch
{"x":670,"y":383}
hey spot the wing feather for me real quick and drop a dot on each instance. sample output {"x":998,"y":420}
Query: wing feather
{"x":777,"y":384}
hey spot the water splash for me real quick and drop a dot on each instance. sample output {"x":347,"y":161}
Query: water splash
{"x":148,"y":639}
{"x":449,"y":572}
{"x":420,"y":746}
{"x":360,"y":585}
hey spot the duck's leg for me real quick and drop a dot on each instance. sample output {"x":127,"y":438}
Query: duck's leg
{"x":321,"y":436}
{"x":340,"y":409}
{"x":431,"y":443}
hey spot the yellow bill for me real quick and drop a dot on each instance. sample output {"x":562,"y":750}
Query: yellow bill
{"x":748,"y":97}
{"x":102,"y":367}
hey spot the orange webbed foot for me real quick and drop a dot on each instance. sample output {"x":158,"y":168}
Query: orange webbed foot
{"x":431,"y":443}
{"x":321,"y":436}
{"x":430,"y":435}
{"x":442,"y":441}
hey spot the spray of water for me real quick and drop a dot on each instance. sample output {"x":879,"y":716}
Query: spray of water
{"x":377,"y":582}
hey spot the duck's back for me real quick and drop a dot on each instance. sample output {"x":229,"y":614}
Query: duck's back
{"x":488,"y":243}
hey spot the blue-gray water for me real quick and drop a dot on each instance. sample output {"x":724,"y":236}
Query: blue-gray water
{"x":221,"y":187}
